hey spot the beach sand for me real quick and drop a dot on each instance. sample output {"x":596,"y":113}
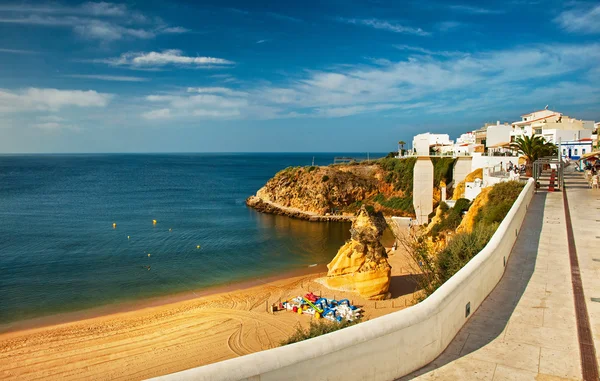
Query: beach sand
{"x":167,"y":335}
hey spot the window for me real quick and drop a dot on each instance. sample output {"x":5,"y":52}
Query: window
{"x":524,"y":119}
{"x":575,"y":151}
{"x":583,"y":151}
{"x":564,"y":151}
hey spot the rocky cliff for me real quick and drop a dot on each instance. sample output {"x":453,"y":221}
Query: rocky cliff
{"x":336,"y":191}
{"x":361,"y":263}
{"x":318,"y":190}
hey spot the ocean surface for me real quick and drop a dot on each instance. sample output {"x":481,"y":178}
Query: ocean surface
{"x":59,"y":251}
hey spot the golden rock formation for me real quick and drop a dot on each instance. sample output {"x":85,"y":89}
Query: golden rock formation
{"x":468,"y":221}
{"x":361,"y":264}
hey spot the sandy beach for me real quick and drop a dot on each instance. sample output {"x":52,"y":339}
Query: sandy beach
{"x":168,"y":335}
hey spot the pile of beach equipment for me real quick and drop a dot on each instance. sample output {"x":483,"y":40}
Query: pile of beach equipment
{"x":330,"y":309}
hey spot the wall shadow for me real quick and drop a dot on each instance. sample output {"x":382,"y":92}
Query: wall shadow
{"x":401,"y":285}
{"x":492,"y":316}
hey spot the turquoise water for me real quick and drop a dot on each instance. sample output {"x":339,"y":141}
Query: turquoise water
{"x":59,"y":251}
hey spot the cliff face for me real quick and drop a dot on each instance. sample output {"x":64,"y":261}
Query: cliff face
{"x":337,"y":192}
{"x":468,"y":221}
{"x":318,"y":190}
{"x":361,"y":264}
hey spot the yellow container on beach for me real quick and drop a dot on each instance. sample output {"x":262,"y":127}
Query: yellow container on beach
{"x":317,"y":315}
{"x":299,"y":311}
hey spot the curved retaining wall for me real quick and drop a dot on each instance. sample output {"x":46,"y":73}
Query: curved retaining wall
{"x":390,"y":346}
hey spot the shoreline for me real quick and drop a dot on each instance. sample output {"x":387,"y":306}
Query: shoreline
{"x":151,"y":302}
{"x":269,"y":207}
{"x":167,"y":335}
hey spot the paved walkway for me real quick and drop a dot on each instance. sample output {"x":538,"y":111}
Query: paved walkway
{"x":584,"y":204}
{"x":526,"y":329}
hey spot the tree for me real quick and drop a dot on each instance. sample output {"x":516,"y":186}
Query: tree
{"x":533,"y":147}
{"x":401,"y":144}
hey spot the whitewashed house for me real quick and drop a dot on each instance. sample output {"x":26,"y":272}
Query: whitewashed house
{"x":422,"y":144}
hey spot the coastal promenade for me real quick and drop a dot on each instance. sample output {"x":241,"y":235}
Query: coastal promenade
{"x":527,"y":327}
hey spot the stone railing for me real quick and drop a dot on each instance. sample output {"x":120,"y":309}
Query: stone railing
{"x":389,"y":346}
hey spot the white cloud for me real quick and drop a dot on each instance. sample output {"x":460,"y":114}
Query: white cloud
{"x":117,"y":78}
{"x":48,"y":125}
{"x":104,"y":9}
{"x":17,"y":51}
{"x":162,"y":113}
{"x":475,"y":10}
{"x":584,"y":20}
{"x":164,"y":58}
{"x":34,"y":99}
{"x":216,"y":114}
{"x":418,"y":49}
{"x":386,"y":25}
{"x":92,"y":20}
{"x":446,"y":26}
{"x":52,"y":123}
{"x":211,"y":103}
{"x":175,"y":30}
{"x":414,"y":80}
{"x":216,"y":90}
{"x":458,"y":82}
{"x":51,"y":118}
{"x":336,"y":112}
{"x":88,"y":8}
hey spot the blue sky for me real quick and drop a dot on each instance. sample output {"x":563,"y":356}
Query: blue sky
{"x":228,"y":76}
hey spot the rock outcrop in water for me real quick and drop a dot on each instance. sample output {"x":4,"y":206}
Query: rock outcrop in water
{"x":316,"y":193}
{"x":361,"y":263}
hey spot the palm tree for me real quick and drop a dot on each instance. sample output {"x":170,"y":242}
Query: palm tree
{"x":401,"y":143}
{"x":533,"y":147}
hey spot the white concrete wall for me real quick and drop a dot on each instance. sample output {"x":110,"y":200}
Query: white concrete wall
{"x":472,"y":189}
{"x":390,"y":346}
{"x":423,"y":189}
{"x":498,"y":135}
{"x":420,"y":144}
{"x":480,"y":161}
{"x":462,"y":167}
{"x":565,"y":135}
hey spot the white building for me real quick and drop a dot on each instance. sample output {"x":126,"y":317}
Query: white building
{"x":555,"y":135}
{"x":422,"y":144}
{"x":524,"y":126}
{"x":498,"y":137}
{"x":468,"y":138}
{"x":575,"y":149}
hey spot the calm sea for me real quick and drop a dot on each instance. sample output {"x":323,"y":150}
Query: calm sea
{"x":59,"y":251}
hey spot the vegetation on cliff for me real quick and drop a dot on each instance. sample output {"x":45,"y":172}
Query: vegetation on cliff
{"x":385,"y":184}
{"x":440,"y":259}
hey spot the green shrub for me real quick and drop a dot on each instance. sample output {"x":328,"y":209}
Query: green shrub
{"x":389,"y":177}
{"x":443,"y":168}
{"x":311,"y":168}
{"x":501,"y":198}
{"x":325,"y":178}
{"x":437,"y":268}
{"x":398,"y":203}
{"x":461,"y":249}
{"x":400,"y":172}
{"x":443,"y":206}
{"x":317,"y":328}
